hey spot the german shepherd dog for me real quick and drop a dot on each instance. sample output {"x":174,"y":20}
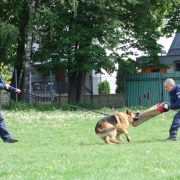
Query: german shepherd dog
{"x":113,"y":126}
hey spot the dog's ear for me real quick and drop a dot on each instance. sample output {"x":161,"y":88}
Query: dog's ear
{"x":128,"y":112}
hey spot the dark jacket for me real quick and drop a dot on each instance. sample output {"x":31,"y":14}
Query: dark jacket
{"x":2,"y":86}
{"x":175,"y":97}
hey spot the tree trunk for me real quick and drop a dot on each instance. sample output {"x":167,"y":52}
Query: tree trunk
{"x":13,"y":82}
{"x":18,"y":67}
{"x":72,"y":88}
{"x":27,"y":67}
{"x":80,"y":80}
{"x":75,"y":87}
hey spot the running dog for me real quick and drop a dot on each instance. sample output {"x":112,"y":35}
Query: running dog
{"x":113,"y":126}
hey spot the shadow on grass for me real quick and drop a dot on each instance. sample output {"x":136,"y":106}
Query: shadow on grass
{"x":153,"y":141}
{"x":91,"y":144}
{"x":100,"y":144}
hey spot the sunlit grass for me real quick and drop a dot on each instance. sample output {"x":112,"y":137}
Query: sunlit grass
{"x":62,"y":145}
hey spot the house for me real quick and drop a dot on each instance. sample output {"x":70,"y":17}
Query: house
{"x":172,"y":59}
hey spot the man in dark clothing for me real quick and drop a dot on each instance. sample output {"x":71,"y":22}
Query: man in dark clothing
{"x":174,"y":93}
{"x":4,"y":134}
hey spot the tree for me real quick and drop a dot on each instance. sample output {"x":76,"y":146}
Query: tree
{"x":6,"y":73}
{"x":76,"y":39}
{"x":15,"y":14}
{"x":27,"y":67}
{"x":144,"y":30}
{"x":75,"y":43}
{"x":125,"y":68}
{"x":172,"y":17}
{"x":8,"y":38}
{"x":75,"y":33}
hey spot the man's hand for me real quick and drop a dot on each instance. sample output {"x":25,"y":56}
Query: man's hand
{"x":166,"y":106}
{"x":17,"y":90}
{"x":7,"y":86}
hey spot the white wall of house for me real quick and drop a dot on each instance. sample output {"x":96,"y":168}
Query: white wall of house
{"x":171,"y":68}
{"x":35,"y":75}
{"x":112,"y":81}
{"x":96,"y":78}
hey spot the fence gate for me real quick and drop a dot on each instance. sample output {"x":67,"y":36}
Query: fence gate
{"x":147,"y":89}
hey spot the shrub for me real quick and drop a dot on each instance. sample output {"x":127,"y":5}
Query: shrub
{"x":104,"y":87}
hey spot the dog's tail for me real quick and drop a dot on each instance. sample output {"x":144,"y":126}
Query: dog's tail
{"x":104,"y":132}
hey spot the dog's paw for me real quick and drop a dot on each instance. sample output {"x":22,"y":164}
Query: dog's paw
{"x":121,"y":143}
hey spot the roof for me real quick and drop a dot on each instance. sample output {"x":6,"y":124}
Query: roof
{"x":175,"y":46}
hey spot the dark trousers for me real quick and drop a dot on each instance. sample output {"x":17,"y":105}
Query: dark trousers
{"x":3,"y":130}
{"x":176,"y":122}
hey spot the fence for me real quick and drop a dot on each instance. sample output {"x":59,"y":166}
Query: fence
{"x":147,"y":89}
{"x":60,"y":84}
{"x":4,"y":98}
{"x":47,"y":91}
{"x":105,"y":100}
{"x":140,"y":90}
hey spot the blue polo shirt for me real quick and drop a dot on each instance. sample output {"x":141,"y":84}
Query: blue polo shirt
{"x":175,"y":97}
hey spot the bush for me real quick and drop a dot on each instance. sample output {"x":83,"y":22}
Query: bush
{"x":104,"y":87}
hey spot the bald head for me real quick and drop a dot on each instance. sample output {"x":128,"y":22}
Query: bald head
{"x":169,"y":84}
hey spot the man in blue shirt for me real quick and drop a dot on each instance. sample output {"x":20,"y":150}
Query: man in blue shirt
{"x":174,"y":94}
{"x":4,"y":134}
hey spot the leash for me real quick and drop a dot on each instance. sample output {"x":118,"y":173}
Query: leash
{"x":87,"y":109}
{"x":74,"y":106}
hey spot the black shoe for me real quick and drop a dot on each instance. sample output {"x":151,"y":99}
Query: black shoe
{"x":10,"y":140}
{"x":172,"y":136}
{"x":171,"y":139}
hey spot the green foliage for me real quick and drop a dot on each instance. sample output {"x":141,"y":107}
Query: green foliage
{"x":172,"y":17}
{"x":104,"y":87}
{"x":8,"y":41}
{"x":6,"y":74}
{"x":70,"y":38}
{"x":125,"y":68}
{"x":76,"y":34}
{"x":146,"y":31}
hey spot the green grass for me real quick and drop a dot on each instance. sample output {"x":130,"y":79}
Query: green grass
{"x":62,"y":145}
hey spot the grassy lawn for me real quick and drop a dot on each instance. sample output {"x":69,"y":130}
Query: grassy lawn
{"x":63,"y":145}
